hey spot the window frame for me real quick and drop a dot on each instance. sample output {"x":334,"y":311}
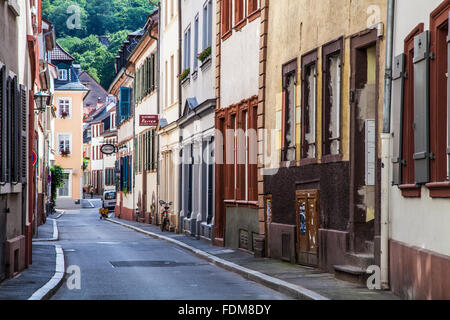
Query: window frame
{"x":308,"y":60}
{"x":439,"y":184}
{"x":331,"y":49}
{"x":63,"y":72}
{"x":288,"y":69}
{"x":69,"y":136}
{"x":68,"y":100}
{"x":240,"y":17}
{"x":226,"y":18}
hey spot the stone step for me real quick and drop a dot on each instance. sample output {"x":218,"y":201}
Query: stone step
{"x":351,"y":273}
{"x":370,"y":247}
{"x":360,"y":260}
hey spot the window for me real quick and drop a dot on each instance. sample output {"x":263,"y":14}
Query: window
{"x":196,"y":43}
{"x":62,"y":74}
{"x":207,"y":24}
{"x":289,"y":111}
{"x":187,"y":49}
{"x":309,"y":92}
{"x":252,"y":6}
{"x":65,"y":106}
{"x":64,"y":142}
{"x":239,"y":9}
{"x":166,"y":74}
{"x":332,"y":86}
{"x":172,"y":79}
{"x":226,"y":17}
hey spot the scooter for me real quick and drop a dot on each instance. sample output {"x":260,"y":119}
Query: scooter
{"x":165,"y":214}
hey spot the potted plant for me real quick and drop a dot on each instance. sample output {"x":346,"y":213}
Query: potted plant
{"x":205,"y":54}
{"x":64,"y":114}
{"x":65,"y":152}
{"x":184,"y":74}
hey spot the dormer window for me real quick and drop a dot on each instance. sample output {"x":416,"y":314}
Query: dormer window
{"x":62,"y":74}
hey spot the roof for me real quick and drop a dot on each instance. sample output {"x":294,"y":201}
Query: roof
{"x":60,"y":54}
{"x":96,"y":90}
{"x":72,"y":86}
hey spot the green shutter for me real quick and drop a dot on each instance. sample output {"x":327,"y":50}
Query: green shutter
{"x":3,"y":125}
{"x":422,"y":108}
{"x":397,"y":116}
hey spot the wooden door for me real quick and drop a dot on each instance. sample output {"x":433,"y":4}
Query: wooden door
{"x":308,"y":222}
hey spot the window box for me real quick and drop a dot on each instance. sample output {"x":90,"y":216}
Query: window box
{"x":64,"y":114}
{"x":65,"y":152}
{"x":184,"y":75}
{"x":204,"y":55}
{"x":206,"y":64}
{"x":410,"y":190}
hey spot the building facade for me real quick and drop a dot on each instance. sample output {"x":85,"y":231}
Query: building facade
{"x":419,"y":250}
{"x":324,"y":98}
{"x":170,"y":108}
{"x":196,"y":124}
{"x":68,"y":133}
{"x":238,"y":36}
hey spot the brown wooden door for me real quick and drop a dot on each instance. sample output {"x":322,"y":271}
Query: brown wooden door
{"x":308,"y":222}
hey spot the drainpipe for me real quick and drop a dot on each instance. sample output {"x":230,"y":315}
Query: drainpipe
{"x":385,"y":150}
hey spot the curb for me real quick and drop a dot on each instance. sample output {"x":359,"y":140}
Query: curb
{"x":55,"y":282}
{"x":55,"y":233}
{"x":61,"y":212}
{"x":279,"y":285}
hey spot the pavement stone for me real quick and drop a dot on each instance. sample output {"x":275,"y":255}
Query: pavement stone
{"x":312,"y":279}
{"x":24,"y":285}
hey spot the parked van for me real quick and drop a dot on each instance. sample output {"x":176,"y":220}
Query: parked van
{"x":109,"y":199}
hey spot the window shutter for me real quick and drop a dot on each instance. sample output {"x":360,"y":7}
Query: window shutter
{"x":3,"y":124}
{"x":124,"y":102}
{"x":397,"y":116}
{"x":421,"y":108}
{"x":145,"y":77}
{"x":448,"y":95}
{"x":152,"y":72}
{"x":23,"y":136}
{"x":15,"y":133}
{"x":283,"y":123}
{"x":152,"y":160}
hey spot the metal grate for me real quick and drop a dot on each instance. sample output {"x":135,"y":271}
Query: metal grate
{"x":243,"y":239}
{"x":286,"y":246}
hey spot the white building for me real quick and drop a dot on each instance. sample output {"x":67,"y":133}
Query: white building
{"x":196,"y":124}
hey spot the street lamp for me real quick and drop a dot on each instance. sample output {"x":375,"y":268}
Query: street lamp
{"x":41,"y":101}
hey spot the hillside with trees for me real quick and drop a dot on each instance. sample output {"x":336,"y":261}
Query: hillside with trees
{"x":111,"y":19}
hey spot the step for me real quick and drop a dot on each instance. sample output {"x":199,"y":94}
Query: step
{"x":351,"y":273}
{"x":370,"y":247}
{"x":360,"y":260}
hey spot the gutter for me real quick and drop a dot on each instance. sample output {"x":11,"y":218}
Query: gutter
{"x":385,"y":149}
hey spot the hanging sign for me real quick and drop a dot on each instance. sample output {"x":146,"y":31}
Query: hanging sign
{"x":148,"y":120}
{"x":108,"y":149}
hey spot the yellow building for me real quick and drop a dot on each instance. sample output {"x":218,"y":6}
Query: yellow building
{"x":68,"y":131}
{"x":323,"y":109}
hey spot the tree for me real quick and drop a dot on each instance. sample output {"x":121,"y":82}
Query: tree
{"x":57,"y":180}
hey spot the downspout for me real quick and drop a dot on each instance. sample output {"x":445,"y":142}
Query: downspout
{"x":385,"y":150}
{"x":180,"y":172}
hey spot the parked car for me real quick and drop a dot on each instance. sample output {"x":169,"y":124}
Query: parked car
{"x":109,"y":199}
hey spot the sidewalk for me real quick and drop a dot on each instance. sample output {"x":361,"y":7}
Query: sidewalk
{"x":296,"y":280}
{"x":44,"y":275}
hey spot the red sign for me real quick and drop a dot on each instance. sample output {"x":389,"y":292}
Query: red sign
{"x":33,"y":158}
{"x":148,"y":120}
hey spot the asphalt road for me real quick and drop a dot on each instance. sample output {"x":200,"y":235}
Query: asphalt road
{"x":119,"y":263}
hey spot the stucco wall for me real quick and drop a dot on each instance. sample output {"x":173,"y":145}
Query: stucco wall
{"x":74,"y":126}
{"x":239,"y":69}
{"x":315,"y":23}
{"x":422,"y":222}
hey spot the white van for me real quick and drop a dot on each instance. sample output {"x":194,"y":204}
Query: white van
{"x":109,"y":199}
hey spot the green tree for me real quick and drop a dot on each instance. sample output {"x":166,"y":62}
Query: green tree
{"x":57,"y":180}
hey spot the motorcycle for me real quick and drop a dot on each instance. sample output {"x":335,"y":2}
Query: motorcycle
{"x":103,"y":213}
{"x":165,"y":214}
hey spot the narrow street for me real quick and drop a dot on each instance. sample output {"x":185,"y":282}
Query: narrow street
{"x":117,"y":264}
